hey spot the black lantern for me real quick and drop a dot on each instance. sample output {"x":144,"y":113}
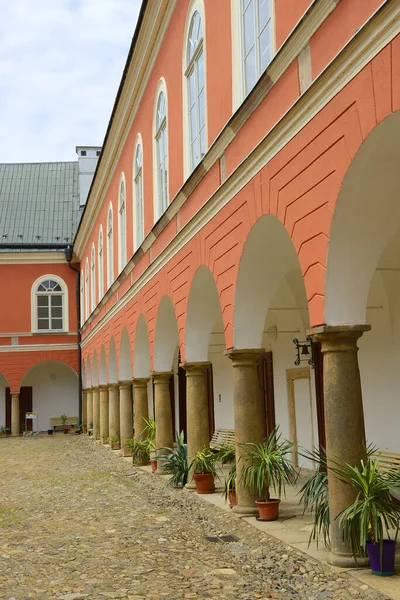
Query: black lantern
{"x":305,"y":351}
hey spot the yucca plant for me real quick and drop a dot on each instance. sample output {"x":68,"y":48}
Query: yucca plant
{"x":230,"y":482}
{"x":314,"y":496}
{"x":175,"y":462}
{"x":226,"y":453}
{"x":140,"y":451}
{"x":268,"y":465}
{"x":204,"y":462}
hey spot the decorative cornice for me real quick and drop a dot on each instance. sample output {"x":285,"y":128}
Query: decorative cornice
{"x":32,"y":258}
{"x":38,"y":348}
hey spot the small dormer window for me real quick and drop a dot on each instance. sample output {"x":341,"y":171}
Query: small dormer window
{"x":83,"y":152}
{"x":97,"y":152}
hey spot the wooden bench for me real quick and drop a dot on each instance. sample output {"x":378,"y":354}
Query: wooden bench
{"x":221,"y":437}
{"x":58,"y":422}
{"x":388,"y":461}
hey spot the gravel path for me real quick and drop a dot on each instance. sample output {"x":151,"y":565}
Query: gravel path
{"x":76,"y":521}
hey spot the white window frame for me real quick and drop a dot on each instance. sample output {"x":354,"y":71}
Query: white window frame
{"x":122,"y":253}
{"x":87,"y":302}
{"x":34,"y":304}
{"x":238,"y":71}
{"x":100,"y":269}
{"x":93,"y":277}
{"x":110,"y":247}
{"x":160,"y":201}
{"x":195,"y":6}
{"x":138,"y":196}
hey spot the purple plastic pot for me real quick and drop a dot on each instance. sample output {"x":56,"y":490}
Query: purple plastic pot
{"x":382,"y":564}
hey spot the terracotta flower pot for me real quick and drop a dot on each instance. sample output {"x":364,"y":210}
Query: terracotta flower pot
{"x":115,"y":445}
{"x":84,"y":429}
{"x":232,"y":498}
{"x":66,"y":430}
{"x":204,"y":483}
{"x":268,"y":511}
{"x":153,"y":463}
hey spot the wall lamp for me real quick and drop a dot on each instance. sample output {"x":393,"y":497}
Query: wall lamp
{"x":305,"y":351}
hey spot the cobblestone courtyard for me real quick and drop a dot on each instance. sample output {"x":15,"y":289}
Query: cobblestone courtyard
{"x":76,"y":521}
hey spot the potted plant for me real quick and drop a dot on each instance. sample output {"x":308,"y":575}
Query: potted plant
{"x":104,"y":437}
{"x":90,"y":428}
{"x":64,"y":420}
{"x":267,"y":465}
{"x":149,"y":432}
{"x":366,"y":522}
{"x":114,"y":442}
{"x":227,"y":455}
{"x":84,"y":427}
{"x":204,"y":471}
{"x":4,"y":431}
{"x":140,"y":451}
{"x":314,"y":495}
{"x":175,"y":462}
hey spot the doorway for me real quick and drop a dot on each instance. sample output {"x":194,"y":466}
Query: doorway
{"x":25,"y":405}
{"x":301,"y":414}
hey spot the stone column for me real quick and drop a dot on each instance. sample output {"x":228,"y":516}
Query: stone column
{"x":163,"y":416}
{"x":84,"y":407}
{"x":248,"y":417}
{"x":198,"y":426}
{"x":113,"y":400}
{"x":141,"y":406}
{"x":126,"y":415}
{"x":15,"y":423}
{"x":89,"y":407}
{"x":344,"y":419}
{"x":104,"y":434}
{"x":96,"y":413}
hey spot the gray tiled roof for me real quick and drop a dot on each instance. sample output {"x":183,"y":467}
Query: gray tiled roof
{"x":39,"y":203}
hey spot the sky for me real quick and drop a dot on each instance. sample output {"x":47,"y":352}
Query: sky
{"x":61,"y":62}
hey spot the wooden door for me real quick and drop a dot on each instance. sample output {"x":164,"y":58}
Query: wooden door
{"x":25,"y":405}
{"x":319,"y":393}
{"x":182,"y":400}
{"x":210,"y":394}
{"x":267,"y":394}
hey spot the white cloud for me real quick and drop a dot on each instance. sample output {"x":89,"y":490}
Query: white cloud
{"x":61,"y":62}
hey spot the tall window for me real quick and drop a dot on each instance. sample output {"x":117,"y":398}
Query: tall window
{"x":49,"y":300}
{"x":196,"y":92}
{"x":256,"y":35}
{"x":87,"y":289}
{"x":138,"y":179}
{"x":122,"y":224}
{"x":82,"y":298}
{"x":110,"y":249}
{"x":93,"y":277}
{"x":101,"y":264}
{"x":161,"y":154}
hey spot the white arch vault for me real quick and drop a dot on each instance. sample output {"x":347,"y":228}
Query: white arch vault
{"x":141,"y":362}
{"x":166,"y":338}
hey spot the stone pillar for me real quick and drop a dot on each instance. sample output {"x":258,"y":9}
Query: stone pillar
{"x":84,"y":407}
{"x":248,"y":417}
{"x":113,"y":400}
{"x":163,"y":416}
{"x":344,"y":419}
{"x":126,"y":415}
{"x":104,"y":414}
{"x":15,"y":423}
{"x":141,"y":406}
{"x":198,"y":426}
{"x":89,"y":407}
{"x":96,"y":413}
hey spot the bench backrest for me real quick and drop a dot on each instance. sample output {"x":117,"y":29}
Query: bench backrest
{"x":222,"y":436}
{"x":57,"y":421}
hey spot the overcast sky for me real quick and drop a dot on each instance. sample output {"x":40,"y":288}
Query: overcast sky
{"x":61,"y":62}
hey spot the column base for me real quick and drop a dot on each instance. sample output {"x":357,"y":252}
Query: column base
{"x":126,"y":452}
{"x":347,"y":561}
{"x":190,"y":486}
{"x":245,"y":511}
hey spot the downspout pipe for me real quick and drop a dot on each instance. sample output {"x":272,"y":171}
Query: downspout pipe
{"x":68,"y":258}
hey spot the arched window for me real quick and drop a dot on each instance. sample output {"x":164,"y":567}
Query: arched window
{"x":82,"y":299}
{"x":93,"y":277}
{"x":161,"y":142}
{"x":256,"y":40}
{"x":122,"y":224}
{"x":101,"y":264}
{"x":110,"y":248}
{"x":138,"y":184}
{"x":50,"y":304}
{"x":195,"y":79}
{"x":87,"y":312}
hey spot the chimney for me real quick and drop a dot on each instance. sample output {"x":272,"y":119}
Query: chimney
{"x":87,"y":162}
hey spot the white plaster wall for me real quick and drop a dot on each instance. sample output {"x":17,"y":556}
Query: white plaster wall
{"x":3,"y":385}
{"x":223,"y":383}
{"x":55,"y":391}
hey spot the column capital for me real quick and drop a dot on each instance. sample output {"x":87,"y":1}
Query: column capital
{"x":140,"y":381}
{"x":113,"y":386}
{"x":103,"y":387}
{"x":195,"y":368}
{"x":14,"y":394}
{"x":95,"y":388}
{"x":338,"y":338}
{"x":161,"y":376}
{"x":123,"y":385}
{"x":244,"y":356}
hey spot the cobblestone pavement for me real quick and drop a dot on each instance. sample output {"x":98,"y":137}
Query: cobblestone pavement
{"x":76,"y":521}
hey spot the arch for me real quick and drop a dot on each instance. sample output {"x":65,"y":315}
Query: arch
{"x":95,"y":371}
{"x":203,"y":312}
{"x":138,"y":192}
{"x":35,"y":307}
{"x":112,"y":363}
{"x":366,"y":217}
{"x":268,"y":256}
{"x":103,"y":367}
{"x":121,"y":223}
{"x":160,"y":151}
{"x":141,"y":364}
{"x":196,"y":7}
{"x":166,"y":337}
{"x":125,"y":357}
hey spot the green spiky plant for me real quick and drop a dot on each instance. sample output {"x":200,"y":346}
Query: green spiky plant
{"x":227,"y":455}
{"x":204,"y":462}
{"x":314,"y":496}
{"x":175,"y":462}
{"x":268,"y":465}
